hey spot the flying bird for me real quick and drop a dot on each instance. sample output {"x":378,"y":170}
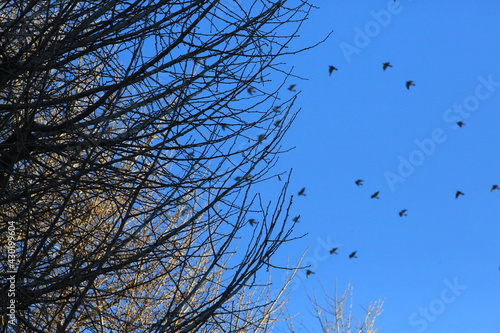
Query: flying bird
{"x":302,"y":192}
{"x":385,"y":65}
{"x":292,"y":87}
{"x":359,"y":182}
{"x":495,"y":187}
{"x":334,"y":250}
{"x":403,"y":212}
{"x":309,"y":272}
{"x":296,"y":218}
{"x":460,"y":123}
{"x":353,"y":255}
{"x":252,"y":222}
{"x":251,"y":90}
{"x":375,"y":195}
{"x":409,"y":84}
{"x":458,"y":194}
{"x":331,"y":69}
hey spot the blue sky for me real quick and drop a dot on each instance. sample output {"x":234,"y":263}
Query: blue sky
{"x":437,"y":268}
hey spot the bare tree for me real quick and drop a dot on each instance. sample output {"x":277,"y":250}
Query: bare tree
{"x":132,"y":137}
{"x":337,"y":315}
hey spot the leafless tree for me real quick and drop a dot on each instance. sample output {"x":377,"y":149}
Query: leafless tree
{"x":133,"y":138}
{"x":337,"y":315}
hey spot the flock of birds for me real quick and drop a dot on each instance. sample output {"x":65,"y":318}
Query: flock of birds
{"x":358,"y":182}
{"x":402,"y":213}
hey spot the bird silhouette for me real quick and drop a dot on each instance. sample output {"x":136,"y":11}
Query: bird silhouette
{"x":460,"y":123}
{"x":495,"y":187}
{"x":278,"y":122}
{"x":409,"y":84}
{"x":309,"y":272}
{"x":292,"y":87}
{"x":302,"y":192}
{"x":261,"y":137}
{"x":296,"y":218}
{"x":385,"y":65}
{"x":276,"y":109}
{"x":334,"y":250}
{"x":331,"y":69}
{"x":458,"y":194}
{"x":375,"y":195}
{"x":403,"y":212}
{"x":359,"y":182}
{"x":251,"y":90}
{"x":252,"y":222}
{"x":353,"y":255}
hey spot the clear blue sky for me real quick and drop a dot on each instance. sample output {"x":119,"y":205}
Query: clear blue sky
{"x":437,"y":268}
